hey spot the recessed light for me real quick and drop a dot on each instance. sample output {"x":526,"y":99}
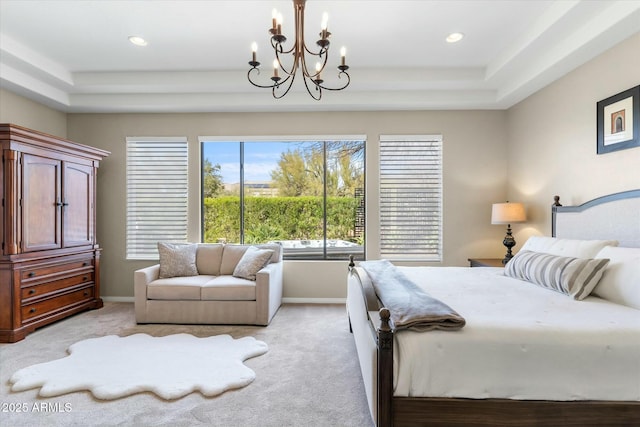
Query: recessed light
{"x":137,"y":40}
{"x":454,"y":37}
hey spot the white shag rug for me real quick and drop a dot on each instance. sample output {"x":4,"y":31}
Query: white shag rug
{"x":173,"y":366}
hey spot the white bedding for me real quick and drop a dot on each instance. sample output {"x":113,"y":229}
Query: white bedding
{"x":520,"y":342}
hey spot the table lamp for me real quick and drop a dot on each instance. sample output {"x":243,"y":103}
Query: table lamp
{"x":508,"y":213}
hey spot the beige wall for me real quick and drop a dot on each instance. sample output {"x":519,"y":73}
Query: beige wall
{"x":21,"y":111}
{"x":543,"y":146}
{"x":474,"y":177}
{"x":552,"y":139}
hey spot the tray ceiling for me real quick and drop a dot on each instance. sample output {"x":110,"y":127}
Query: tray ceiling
{"x":75,"y":55}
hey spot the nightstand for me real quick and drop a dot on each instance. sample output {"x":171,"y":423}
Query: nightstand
{"x":485,"y":262}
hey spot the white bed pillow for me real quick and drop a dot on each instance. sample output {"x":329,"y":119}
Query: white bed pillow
{"x":574,"y":248}
{"x":575,"y":277}
{"x":620,"y":282}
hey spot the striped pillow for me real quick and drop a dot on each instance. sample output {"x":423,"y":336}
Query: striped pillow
{"x":575,"y":277}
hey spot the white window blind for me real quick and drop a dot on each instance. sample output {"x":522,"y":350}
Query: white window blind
{"x":157,"y":187}
{"x":411,"y":197}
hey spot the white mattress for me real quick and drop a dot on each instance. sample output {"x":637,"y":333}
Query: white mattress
{"x":520,"y":342}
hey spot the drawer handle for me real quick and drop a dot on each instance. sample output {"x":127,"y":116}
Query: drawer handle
{"x":33,"y":310}
{"x":86,"y":293}
{"x":84,"y":264}
{"x":32,"y":291}
{"x":31,"y":274}
{"x":85,"y":278}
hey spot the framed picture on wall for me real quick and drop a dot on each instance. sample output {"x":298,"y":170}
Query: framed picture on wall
{"x":619,"y":121}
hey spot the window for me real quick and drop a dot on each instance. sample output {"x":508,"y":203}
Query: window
{"x":156,"y":194}
{"x":305,"y":193}
{"x":411,"y":197}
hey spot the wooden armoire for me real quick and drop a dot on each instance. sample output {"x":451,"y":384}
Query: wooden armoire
{"x":50,"y":260}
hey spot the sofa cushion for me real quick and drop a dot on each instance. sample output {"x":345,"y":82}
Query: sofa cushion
{"x":228,"y":288}
{"x":177,"y":259}
{"x":177,"y":288}
{"x":231,"y":256}
{"x":275,"y":247}
{"x":251,"y":262}
{"x":208,"y":258}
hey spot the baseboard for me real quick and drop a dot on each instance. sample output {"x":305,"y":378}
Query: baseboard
{"x":284,"y":300}
{"x":118,"y":299}
{"x":314,"y":300}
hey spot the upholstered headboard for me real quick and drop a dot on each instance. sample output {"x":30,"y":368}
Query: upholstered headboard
{"x":615,"y":217}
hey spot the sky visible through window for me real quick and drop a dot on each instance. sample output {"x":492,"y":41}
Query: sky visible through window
{"x":260,"y":158}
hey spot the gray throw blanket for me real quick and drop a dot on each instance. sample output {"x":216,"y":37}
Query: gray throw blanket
{"x":410,"y":306}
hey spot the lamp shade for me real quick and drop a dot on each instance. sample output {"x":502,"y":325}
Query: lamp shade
{"x":508,"y":213}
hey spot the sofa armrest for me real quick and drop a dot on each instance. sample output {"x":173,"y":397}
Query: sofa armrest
{"x":269,"y":292}
{"x":141,"y":278}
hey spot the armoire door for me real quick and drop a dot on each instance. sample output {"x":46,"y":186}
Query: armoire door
{"x":41,"y":203}
{"x":77,"y":205}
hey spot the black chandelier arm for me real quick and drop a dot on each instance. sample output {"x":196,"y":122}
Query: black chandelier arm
{"x":257,"y":70}
{"x":294,"y":66}
{"x":272,"y":85}
{"x":305,"y":69}
{"x":278,"y":48}
{"x":290,"y":78}
{"x":318,"y":89}
{"x":323,"y":49}
{"x":341,"y":87}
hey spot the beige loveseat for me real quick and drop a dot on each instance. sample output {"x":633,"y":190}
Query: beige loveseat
{"x":214,"y":295}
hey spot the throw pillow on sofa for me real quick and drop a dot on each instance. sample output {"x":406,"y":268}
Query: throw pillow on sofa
{"x":177,"y":260}
{"x":251,"y":262}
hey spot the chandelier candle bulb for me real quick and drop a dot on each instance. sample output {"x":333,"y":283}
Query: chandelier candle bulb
{"x":324,"y":24}
{"x":343,"y":54}
{"x":254,"y":50}
{"x":279,"y":23}
{"x":275,"y":68}
{"x":274,"y":16}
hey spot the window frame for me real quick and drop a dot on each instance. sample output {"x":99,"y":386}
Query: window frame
{"x":292,"y":139}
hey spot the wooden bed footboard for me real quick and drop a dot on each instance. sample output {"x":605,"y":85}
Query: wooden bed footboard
{"x":459,"y":412}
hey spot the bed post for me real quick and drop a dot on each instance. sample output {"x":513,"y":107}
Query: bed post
{"x":554,"y":206}
{"x":385,"y":370}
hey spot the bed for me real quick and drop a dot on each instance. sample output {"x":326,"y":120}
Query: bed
{"x":526,"y":354}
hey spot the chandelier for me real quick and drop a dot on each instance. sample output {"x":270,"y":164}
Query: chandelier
{"x":301,"y":55}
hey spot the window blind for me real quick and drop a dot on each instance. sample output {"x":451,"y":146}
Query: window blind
{"x":157,"y":187}
{"x":411,"y":197}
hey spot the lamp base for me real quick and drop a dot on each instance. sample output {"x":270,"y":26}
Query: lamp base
{"x":509,"y":242}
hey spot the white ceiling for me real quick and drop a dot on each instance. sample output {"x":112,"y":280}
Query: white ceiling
{"x":75,"y":56}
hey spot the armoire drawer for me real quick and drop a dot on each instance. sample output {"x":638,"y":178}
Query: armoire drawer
{"x":39,"y":290}
{"x":46,"y":271}
{"x":42,"y":307}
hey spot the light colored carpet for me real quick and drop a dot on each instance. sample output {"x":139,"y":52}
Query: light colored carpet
{"x":171,"y":366}
{"x":309,"y":377}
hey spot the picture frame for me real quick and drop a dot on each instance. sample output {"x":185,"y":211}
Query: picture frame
{"x":618,"y":121}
